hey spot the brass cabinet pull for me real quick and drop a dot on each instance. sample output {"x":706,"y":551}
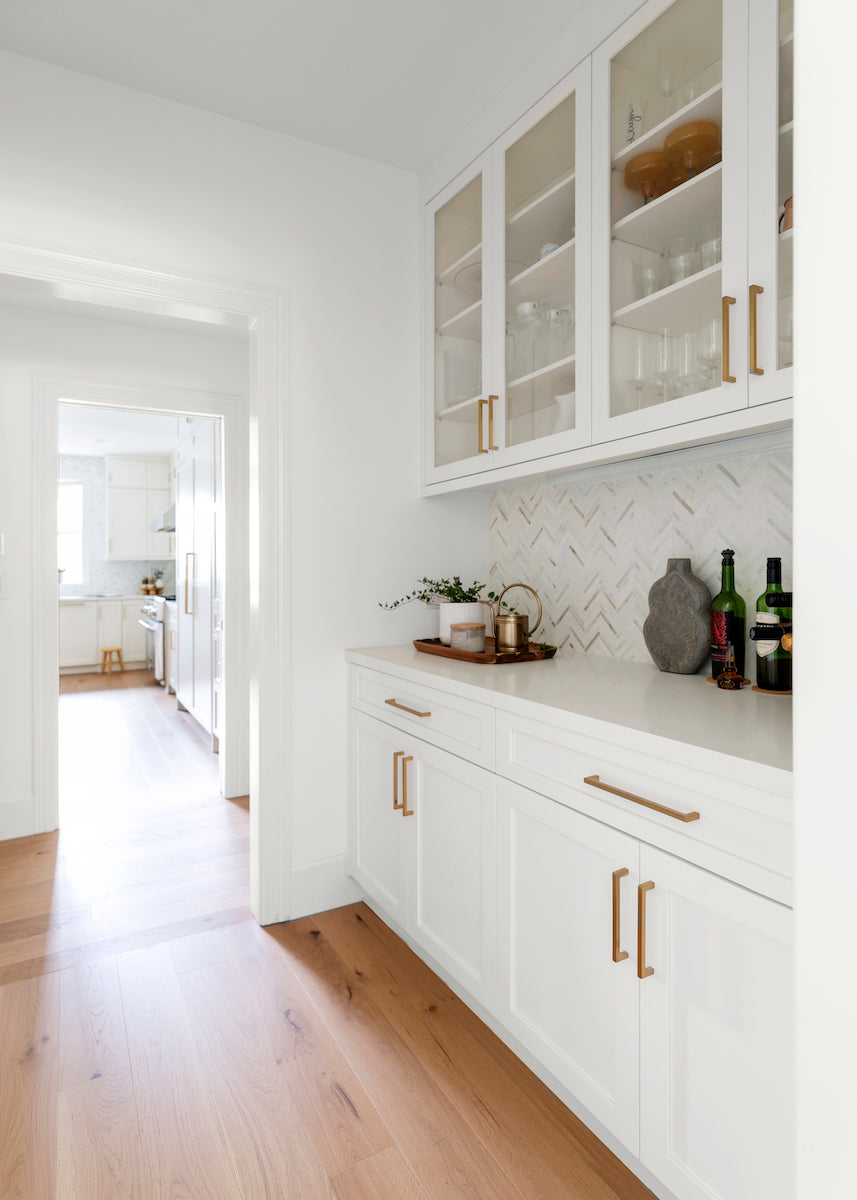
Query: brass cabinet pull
{"x":482,"y":450}
{"x":491,"y":445}
{"x":595,"y":781}
{"x":405,"y":708}
{"x":755,"y":291}
{"x":618,"y":955}
{"x":398,"y":754}
{"x":643,"y":972}
{"x":727,"y":300}
{"x":406,"y":812}
{"x":187,"y":579}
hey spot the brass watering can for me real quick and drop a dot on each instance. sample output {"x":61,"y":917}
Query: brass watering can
{"x":512,"y":630}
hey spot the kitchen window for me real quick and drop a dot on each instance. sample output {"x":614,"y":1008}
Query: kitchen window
{"x":70,"y":530}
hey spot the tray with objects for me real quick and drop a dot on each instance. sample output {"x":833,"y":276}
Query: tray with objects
{"x":534,"y":652}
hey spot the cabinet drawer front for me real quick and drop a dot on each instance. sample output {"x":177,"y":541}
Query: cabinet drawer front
{"x":460,"y":726}
{"x":740,"y":830}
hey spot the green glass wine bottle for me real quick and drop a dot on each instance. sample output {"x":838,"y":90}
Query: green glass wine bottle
{"x":728,"y":619}
{"x":773,"y":663}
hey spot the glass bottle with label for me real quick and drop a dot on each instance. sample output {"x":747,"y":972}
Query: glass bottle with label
{"x":728,"y":614}
{"x":773,"y":663}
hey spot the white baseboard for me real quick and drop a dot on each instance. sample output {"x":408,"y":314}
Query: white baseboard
{"x":17,"y":817}
{"x":320,"y":885}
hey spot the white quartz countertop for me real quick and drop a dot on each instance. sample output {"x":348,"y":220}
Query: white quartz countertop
{"x":681,"y":708}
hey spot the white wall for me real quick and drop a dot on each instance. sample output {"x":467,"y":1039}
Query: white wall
{"x":114,"y":174}
{"x":32,"y":343}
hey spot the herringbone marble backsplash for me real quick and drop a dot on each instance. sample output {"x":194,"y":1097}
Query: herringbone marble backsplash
{"x":592,"y":550}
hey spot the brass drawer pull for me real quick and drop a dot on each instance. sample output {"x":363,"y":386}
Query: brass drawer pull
{"x":406,"y":812}
{"x":643,"y":972}
{"x":594,"y":781}
{"x":618,"y":955}
{"x":404,"y":708}
{"x":398,"y":754}
{"x":481,"y":434}
{"x":491,"y":400}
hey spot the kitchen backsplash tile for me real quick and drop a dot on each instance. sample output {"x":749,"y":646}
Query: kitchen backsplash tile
{"x":592,"y":550}
{"x":100,"y":574}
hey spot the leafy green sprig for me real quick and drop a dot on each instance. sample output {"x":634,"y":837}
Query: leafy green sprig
{"x":433,"y":591}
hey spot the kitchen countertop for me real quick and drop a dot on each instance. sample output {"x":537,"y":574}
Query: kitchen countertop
{"x":113,"y":596}
{"x":683,"y":709}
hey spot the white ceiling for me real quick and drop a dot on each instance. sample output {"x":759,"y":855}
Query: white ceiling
{"x":88,"y":429}
{"x":392,"y":80}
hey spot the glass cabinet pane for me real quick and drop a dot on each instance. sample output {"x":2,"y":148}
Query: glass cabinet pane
{"x":539,"y":240}
{"x":785,"y":185}
{"x":458,"y":298}
{"x":666,"y":209}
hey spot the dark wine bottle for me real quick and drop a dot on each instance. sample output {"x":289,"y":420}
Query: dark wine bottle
{"x":773,"y":663}
{"x":728,"y":613}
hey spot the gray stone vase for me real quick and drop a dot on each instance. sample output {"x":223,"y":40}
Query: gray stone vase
{"x":678,"y":628}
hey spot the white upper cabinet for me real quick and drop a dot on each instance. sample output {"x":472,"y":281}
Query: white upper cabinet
{"x":618,"y":265}
{"x":138,"y":491}
{"x":509,"y":344}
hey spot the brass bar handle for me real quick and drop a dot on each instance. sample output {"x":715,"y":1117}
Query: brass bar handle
{"x":406,"y":812}
{"x":482,"y":404}
{"x":188,"y":612}
{"x":755,"y":291}
{"x":398,"y":754}
{"x":726,"y":377}
{"x":491,"y":400}
{"x":595,"y":781}
{"x":643,"y":972}
{"x":404,"y":708}
{"x":618,"y":876}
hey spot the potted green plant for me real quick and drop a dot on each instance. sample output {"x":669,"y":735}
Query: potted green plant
{"x":455,"y":602}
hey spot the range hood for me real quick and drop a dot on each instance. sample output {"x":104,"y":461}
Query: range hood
{"x":166,"y":522}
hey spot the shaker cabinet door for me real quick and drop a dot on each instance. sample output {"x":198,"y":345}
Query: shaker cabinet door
{"x":378,"y":828}
{"x":716,"y":1036}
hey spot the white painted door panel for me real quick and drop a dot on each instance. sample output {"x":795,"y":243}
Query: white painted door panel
{"x":184,"y":580}
{"x":564,"y":996}
{"x":377,"y":827}
{"x":716,"y":1037}
{"x":203,"y":541}
{"x":454,"y":879}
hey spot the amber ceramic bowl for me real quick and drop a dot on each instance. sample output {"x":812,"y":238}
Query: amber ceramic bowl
{"x":693,"y":147}
{"x":649,"y":173}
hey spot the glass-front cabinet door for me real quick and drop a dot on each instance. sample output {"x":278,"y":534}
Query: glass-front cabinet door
{"x":771,"y":247}
{"x":670,"y":217}
{"x":542,"y":203}
{"x":457,"y":359}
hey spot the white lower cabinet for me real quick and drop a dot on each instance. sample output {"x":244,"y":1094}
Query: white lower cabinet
{"x":648,"y":987}
{"x":78,"y":623}
{"x":133,"y":633}
{"x":715,"y":1036}
{"x":568,"y":982}
{"x":109,"y":625}
{"x":423,"y":846}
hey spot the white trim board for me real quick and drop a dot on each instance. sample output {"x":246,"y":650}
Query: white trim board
{"x":263,"y":312}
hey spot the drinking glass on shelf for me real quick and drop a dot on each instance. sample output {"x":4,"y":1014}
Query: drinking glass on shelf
{"x":529,"y":317}
{"x":560,"y":337}
{"x":671,"y":72}
{"x":511,"y":372}
{"x":689,"y":377}
{"x":643,"y":366}
{"x":710,"y":244}
{"x":682,"y":258}
{"x":648,"y":278}
{"x":786,"y":337}
{"x":667,"y":364}
{"x":709,"y":351}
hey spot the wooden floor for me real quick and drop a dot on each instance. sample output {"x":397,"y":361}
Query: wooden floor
{"x":156,"y":1044}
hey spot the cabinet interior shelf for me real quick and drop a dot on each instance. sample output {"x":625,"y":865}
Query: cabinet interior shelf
{"x":447,"y":276}
{"x":541,"y":373}
{"x":682,"y":211}
{"x":785,"y":161}
{"x":683,"y":305}
{"x":465,"y":410}
{"x":787,"y":61}
{"x":547,"y":217}
{"x":550,"y":279}
{"x":707,"y":107}
{"x":466,"y":324}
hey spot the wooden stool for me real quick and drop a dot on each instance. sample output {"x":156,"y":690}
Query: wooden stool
{"x":107,"y":659}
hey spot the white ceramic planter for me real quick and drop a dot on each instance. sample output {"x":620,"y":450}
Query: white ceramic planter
{"x":455,"y":614}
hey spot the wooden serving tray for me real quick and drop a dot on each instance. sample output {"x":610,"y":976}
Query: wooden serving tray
{"x":436,"y":646}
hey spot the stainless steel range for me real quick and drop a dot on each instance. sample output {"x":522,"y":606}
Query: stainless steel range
{"x":152,"y":621}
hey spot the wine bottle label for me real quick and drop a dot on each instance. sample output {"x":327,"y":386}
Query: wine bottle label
{"x":763,"y":649}
{"x":726,"y":630}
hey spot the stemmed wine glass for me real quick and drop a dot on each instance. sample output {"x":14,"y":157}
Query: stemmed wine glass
{"x":642,"y":366}
{"x":667,"y":363}
{"x":671,"y":72}
{"x":709,"y":350}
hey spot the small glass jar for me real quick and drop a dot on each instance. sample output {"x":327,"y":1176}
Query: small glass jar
{"x":468,"y":636}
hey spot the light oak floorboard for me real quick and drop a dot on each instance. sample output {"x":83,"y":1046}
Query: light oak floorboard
{"x":100,"y":1153}
{"x":385,"y":1174}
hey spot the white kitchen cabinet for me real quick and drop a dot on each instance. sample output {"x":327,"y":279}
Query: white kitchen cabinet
{"x":423,"y":845}
{"x":138,"y":491}
{"x":509,"y":342}
{"x":716,"y":1024}
{"x":635,"y":942}
{"x":195,"y":531}
{"x":110,"y":625}
{"x":78,"y":631}
{"x":567,"y":912}
{"x":133,"y":634}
